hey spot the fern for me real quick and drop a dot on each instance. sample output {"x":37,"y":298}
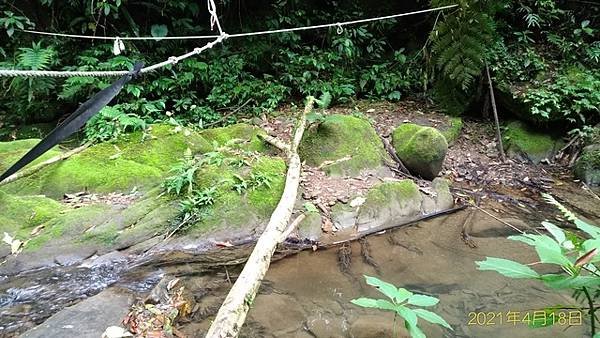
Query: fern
{"x":566,"y":212}
{"x":460,"y":44}
{"x":36,"y":57}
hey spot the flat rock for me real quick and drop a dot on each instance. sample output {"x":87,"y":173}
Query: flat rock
{"x":87,"y":319}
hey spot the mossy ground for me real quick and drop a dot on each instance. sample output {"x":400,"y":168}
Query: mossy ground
{"x":11,"y":152}
{"x":339,"y":136}
{"x":246,"y":136}
{"x":134,"y":160}
{"x":19,"y":215}
{"x":519,"y":139}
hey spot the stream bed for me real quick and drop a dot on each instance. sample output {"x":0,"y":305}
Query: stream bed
{"x":308,"y":294}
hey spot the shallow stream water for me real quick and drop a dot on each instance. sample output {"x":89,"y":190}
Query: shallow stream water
{"x":308,"y":294}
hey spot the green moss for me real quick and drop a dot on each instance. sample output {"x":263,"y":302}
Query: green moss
{"x":519,"y":140}
{"x":402,"y":192}
{"x":422,"y":149}
{"x":134,"y":160}
{"x":11,"y":152}
{"x":239,"y":135}
{"x":452,"y":132}
{"x":71,"y":224}
{"x":340,"y":136}
{"x":264,"y":199}
{"x":587,"y":167}
{"x":20,"y":214}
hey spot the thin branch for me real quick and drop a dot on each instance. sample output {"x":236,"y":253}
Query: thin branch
{"x":495,"y":110}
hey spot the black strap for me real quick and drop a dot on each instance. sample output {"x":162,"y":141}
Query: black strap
{"x":74,"y":122}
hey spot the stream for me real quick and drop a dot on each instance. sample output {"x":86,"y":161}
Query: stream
{"x":308,"y":294}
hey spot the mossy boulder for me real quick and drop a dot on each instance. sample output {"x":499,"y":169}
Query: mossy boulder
{"x":587,"y":167}
{"x":19,"y":215}
{"x":11,"y":152}
{"x":343,"y":145}
{"x":134,"y":160}
{"x":421,"y":149}
{"x":525,"y":144}
{"x":389,"y":203}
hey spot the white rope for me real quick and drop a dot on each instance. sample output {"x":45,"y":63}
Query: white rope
{"x":124,"y":38}
{"x":175,"y":59}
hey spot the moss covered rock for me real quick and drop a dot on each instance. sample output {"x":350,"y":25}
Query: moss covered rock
{"x":587,"y":167}
{"x":523,"y":143}
{"x":20,"y":214}
{"x":11,"y":152}
{"x":339,"y":137}
{"x":389,"y":203}
{"x":134,"y":160}
{"x":421,"y":149}
{"x":241,"y":135}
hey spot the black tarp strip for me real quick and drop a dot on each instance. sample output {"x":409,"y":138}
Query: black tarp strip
{"x":74,"y":122}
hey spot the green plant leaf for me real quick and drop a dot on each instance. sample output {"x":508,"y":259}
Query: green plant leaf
{"x":550,"y":251}
{"x":159,"y":31}
{"x":397,"y":294}
{"x":588,"y":228}
{"x":432,"y":317}
{"x":590,"y":245}
{"x":310,"y":207}
{"x":414,"y":330}
{"x":507,"y":268}
{"x":422,"y":300}
{"x":555,"y":231}
{"x":374,"y":303}
{"x":555,"y":281}
{"x":408,"y":314}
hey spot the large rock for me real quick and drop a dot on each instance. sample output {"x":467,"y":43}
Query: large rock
{"x":587,"y":167}
{"x":389,"y":203}
{"x":421,"y":149}
{"x":87,"y":319}
{"x":524,"y":144}
{"x":134,"y":160}
{"x":343,"y":145}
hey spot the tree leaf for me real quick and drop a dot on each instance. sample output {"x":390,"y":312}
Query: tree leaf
{"x":590,"y":245}
{"x":507,"y":268}
{"x":432,"y":317}
{"x":365,"y":302}
{"x":159,"y":31}
{"x":422,"y":300}
{"x":550,"y":251}
{"x":588,"y":228}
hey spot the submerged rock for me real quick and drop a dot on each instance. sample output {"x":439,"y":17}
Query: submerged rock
{"x":523,"y":143}
{"x":421,"y":149}
{"x":587,"y":167}
{"x":343,"y":145}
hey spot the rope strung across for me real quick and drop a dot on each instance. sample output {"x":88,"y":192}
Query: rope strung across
{"x":174,"y":59}
{"x":74,"y":122}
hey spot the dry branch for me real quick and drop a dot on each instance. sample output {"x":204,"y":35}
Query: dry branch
{"x":32,"y":170}
{"x":232,"y":314}
{"x":495,"y":110}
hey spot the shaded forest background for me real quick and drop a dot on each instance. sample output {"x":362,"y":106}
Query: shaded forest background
{"x":544,"y":56}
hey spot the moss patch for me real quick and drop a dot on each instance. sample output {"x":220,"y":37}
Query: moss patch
{"x":20,"y":214}
{"x":387,"y":192}
{"x":134,"y":160}
{"x":452,"y":132}
{"x":523,"y":143}
{"x":587,"y":167}
{"x":11,"y":152}
{"x":241,"y":136}
{"x":340,"y":136}
{"x":422,"y":149}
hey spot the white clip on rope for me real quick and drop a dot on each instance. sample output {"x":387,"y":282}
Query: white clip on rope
{"x":340,"y":29}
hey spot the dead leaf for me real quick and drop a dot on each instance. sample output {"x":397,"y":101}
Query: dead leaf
{"x":172,"y":283}
{"x":36,"y":231}
{"x":116,"y":332}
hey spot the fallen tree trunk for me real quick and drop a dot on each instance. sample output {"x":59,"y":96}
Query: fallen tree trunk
{"x":40,"y":166}
{"x":232,"y":314}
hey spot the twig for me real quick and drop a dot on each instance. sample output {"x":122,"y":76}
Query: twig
{"x":393,"y":154}
{"x":498,"y":219}
{"x":227,"y":115}
{"x":40,"y":166}
{"x":275,"y":142}
{"x":493,"y":98}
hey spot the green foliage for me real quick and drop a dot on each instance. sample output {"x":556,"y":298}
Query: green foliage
{"x":576,"y":257}
{"x":398,"y":302}
{"x":183,"y":175}
{"x":10,"y":22}
{"x":111,"y":122}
